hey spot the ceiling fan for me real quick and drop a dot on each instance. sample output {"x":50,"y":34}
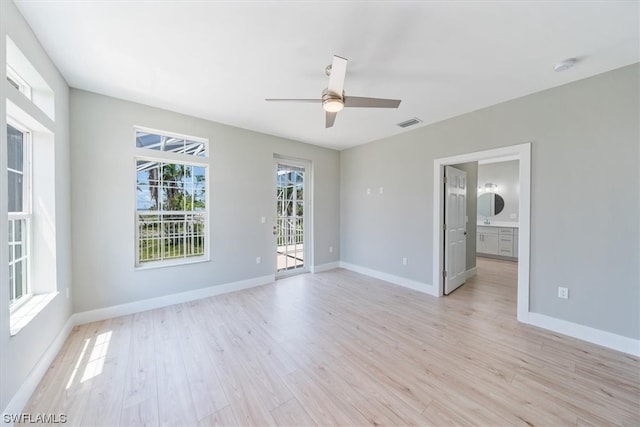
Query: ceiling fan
{"x":333,"y":98}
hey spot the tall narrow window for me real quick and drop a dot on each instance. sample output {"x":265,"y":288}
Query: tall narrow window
{"x":18,"y":174}
{"x":171,"y":211}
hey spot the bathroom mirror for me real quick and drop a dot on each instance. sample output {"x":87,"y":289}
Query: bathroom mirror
{"x":490,"y":204}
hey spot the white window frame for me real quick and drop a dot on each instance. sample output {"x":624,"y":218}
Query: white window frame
{"x":147,"y":154}
{"x":26,"y":214}
{"x":23,"y":86}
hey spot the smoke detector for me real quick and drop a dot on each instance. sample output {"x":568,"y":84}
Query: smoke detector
{"x":565,"y":65}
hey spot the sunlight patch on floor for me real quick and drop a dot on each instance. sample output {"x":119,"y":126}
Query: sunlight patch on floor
{"x":98,"y":354}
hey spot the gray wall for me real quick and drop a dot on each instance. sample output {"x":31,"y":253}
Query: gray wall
{"x":471,"y":169}
{"x":242,"y":189}
{"x":584,"y":235}
{"x":505,"y":175}
{"x":20,"y":354}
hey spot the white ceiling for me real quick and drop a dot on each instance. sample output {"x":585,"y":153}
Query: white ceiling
{"x":219,"y":59}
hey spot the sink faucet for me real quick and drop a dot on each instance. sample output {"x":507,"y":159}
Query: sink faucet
{"x":486,"y":220}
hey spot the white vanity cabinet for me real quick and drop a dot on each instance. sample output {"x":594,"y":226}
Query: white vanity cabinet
{"x":497,"y":241}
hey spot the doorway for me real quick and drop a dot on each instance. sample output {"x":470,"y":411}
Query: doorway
{"x":292,"y":225}
{"x":521,"y":152}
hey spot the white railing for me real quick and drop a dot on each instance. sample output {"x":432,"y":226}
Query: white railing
{"x":289,"y":230}
{"x":170,"y":235}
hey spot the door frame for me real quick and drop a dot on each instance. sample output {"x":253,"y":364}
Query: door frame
{"x":307,"y":215}
{"x":522,"y":152}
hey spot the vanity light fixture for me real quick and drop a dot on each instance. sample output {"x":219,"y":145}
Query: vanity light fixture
{"x":491,"y":187}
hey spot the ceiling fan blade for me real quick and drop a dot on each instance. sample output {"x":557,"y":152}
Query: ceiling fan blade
{"x":330,"y":119}
{"x":361,"y":102}
{"x":338,"y":73}
{"x":293,"y":100}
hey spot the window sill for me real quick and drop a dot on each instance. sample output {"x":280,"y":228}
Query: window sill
{"x":171,"y":263}
{"x":21,"y":316}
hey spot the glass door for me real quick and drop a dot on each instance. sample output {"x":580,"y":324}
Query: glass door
{"x":289,"y":229}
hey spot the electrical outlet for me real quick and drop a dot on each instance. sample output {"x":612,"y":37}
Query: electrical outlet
{"x":368,"y":191}
{"x":330,"y":249}
{"x":381,"y":190}
{"x":263,"y":220}
{"x":404,"y":261}
{"x":258,"y":260}
{"x":563,"y":292}
{"x":67,"y":293}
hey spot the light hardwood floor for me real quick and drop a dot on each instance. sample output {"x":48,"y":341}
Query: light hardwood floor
{"x":339,"y":348}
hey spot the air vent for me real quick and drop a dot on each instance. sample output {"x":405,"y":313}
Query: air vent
{"x":410,"y":122}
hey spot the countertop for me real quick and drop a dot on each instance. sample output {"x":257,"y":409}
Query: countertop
{"x":498,"y":224}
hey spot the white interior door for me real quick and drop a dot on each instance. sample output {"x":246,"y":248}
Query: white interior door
{"x":291,"y":224}
{"x":455,"y":214}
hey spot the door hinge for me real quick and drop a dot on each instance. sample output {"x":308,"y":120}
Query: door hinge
{"x":444,"y":227}
{"x":444,"y":179}
{"x":444,"y":273}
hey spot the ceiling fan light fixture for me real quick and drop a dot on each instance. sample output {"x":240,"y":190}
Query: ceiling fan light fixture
{"x":332,"y":105}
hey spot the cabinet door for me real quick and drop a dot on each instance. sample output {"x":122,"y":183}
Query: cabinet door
{"x":491,"y":244}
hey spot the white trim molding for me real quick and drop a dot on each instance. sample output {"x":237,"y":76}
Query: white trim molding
{"x":166,"y":300}
{"x":585,"y":333}
{"x":396,"y":280}
{"x":325,"y":267}
{"x":471,"y":272}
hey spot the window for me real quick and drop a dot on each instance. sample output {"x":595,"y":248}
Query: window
{"x":171,"y":199}
{"x":18,"y":82}
{"x":19,"y":218}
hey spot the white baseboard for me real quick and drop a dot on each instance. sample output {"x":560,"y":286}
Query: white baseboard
{"x":471,"y":272}
{"x":396,"y":280}
{"x":585,"y":333}
{"x":20,"y":399}
{"x":325,"y":267}
{"x":166,"y":300}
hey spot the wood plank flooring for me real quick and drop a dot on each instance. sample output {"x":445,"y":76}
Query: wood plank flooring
{"x":339,"y":348}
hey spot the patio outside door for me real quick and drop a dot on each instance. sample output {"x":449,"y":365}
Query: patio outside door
{"x":290,"y":226}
